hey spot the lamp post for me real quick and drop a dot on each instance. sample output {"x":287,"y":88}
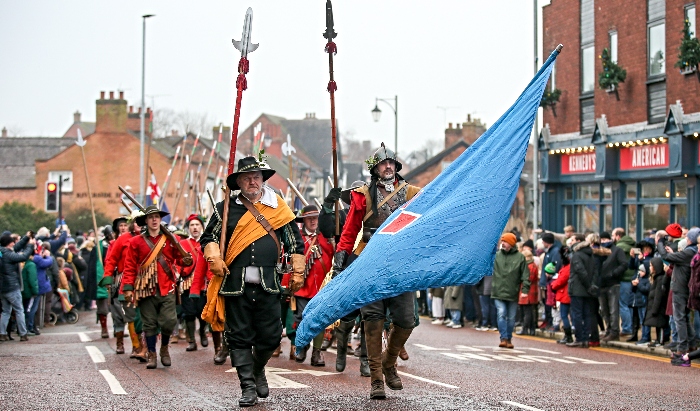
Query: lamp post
{"x":142,"y":169}
{"x":535,"y":141}
{"x":377,"y":113}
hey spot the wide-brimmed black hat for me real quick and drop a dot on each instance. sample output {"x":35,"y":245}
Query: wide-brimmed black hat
{"x":308,"y":211}
{"x":345,"y":194}
{"x":151,"y":209}
{"x":247,"y":165}
{"x":115,"y":223}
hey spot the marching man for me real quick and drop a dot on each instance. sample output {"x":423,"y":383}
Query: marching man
{"x":149,"y":281}
{"x":192,"y":305}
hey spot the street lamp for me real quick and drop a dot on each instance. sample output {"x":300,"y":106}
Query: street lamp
{"x":142,"y":170}
{"x":377,"y":113}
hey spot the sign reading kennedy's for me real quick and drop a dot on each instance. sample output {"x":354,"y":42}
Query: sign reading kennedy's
{"x":580,"y":163}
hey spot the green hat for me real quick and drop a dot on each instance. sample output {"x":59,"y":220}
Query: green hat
{"x":151,"y":209}
{"x":550,"y":268}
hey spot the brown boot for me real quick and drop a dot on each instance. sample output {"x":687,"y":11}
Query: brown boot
{"x":182,"y":334}
{"x":120,"y":341}
{"x":509,"y":344}
{"x":403,"y":354}
{"x":175,"y":337}
{"x":221,"y":355}
{"x":292,"y":353}
{"x":165,"y":356}
{"x":216,"y":338}
{"x":142,"y":353}
{"x":189,"y":328}
{"x":277,"y":351}
{"x":397,"y":338}
{"x":103,"y":325}
{"x":373,"y":337}
{"x":317,"y":358}
{"x":152,"y":360}
{"x":503,"y":343}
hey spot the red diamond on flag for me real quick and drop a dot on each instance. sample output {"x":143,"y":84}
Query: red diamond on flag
{"x":403,"y":220}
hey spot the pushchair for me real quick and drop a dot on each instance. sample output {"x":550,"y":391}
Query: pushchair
{"x":62,"y":310}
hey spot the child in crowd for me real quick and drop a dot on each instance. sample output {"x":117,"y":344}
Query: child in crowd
{"x":656,"y":302}
{"x":560,"y":285}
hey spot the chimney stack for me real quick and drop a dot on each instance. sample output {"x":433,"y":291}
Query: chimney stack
{"x":131,"y":109}
{"x":111,"y":116}
{"x":76,"y":117}
{"x":102,"y":95}
{"x":121,"y":95}
{"x":4,"y":132}
{"x":111,"y":95}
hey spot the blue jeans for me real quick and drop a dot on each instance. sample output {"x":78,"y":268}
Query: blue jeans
{"x":564,"y":312}
{"x":646,"y":331}
{"x":626,"y":298}
{"x":488,"y":311}
{"x":468,"y":306}
{"x":12,"y":301}
{"x":674,"y":332}
{"x":456,"y":316}
{"x":30,"y":311}
{"x":583,"y":316}
{"x":506,"y":317}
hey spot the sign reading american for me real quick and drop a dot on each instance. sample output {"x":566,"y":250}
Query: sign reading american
{"x":644,"y":157}
{"x":583,"y":163}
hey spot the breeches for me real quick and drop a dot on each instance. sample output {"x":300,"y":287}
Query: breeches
{"x":253,"y":319}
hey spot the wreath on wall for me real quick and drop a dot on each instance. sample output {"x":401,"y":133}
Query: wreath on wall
{"x":688,"y":52}
{"x":612,"y":74}
{"x":550,"y":98}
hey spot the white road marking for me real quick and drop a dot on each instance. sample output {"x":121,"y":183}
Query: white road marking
{"x":523,"y":406}
{"x":84,"y":337}
{"x":542,"y":358}
{"x":467,"y":356}
{"x":113,"y":383}
{"x":585,"y":361}
{"x":541,"y":350}
{"x":506,"y":357}
{"x":275,"y":379}
{"x":95,"y":354}
{"x":507,"y":350}
{"x":70,"y":333}
{"x":405,"y":374}
{"x":467,"y":348}
{"x":428,"y":348}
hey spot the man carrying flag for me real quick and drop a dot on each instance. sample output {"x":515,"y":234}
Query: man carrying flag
{"x":370,"y":206}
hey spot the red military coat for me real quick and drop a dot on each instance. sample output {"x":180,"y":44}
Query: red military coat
{"x":137,"y":253}
{"x":199,"y":267}
{"x":317,"y":272}
{"x":116,"y":254}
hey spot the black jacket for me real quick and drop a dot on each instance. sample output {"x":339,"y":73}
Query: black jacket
{"x":10,"y":272}
{"x":656,"y":302}
{"x":681,"y":267}
{"x":583,"y":271}
{"x":614,"y":265}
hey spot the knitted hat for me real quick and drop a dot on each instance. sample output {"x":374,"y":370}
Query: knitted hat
{"x":548,"y":238}
{"x":509,"y":238}
{"x":605,"y":236}
{"x":692,"y":235}
{"x":550,"y":268}
{"x":674,"y":230}
{"x":529,"y":244}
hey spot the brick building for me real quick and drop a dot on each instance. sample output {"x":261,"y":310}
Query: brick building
{"x":624,"y":157}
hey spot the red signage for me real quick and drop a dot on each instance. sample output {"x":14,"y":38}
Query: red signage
{"x":581,"y":163}
{"x":644,"y":157}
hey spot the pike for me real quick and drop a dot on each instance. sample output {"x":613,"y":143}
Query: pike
{"x":167,"y":177}
{"x":218,"y":152}
{"x":81,"y":143}
{"x":298,"y":194}
{"x":245,"y":47}
{"x":185,"y":174}
{"x":332,"y":49}
{"x":340,"y":203}
{"x":186,"y":257}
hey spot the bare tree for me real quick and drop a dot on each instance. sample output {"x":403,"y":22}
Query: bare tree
{"x":195,"y":123}
{"x":164,"y":121}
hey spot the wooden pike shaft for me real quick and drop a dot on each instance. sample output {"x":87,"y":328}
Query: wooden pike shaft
{"x":298,"y":194}
{"x":340,"y":203}
{"x":92,"y":206}
{"x":334,"y":142}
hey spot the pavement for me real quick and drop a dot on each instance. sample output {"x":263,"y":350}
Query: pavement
{"x":69,"y":367}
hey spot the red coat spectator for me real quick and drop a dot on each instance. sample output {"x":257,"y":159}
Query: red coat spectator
{"x":561,"y":285}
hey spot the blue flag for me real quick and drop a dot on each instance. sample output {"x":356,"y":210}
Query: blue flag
{"x":447,"y":234}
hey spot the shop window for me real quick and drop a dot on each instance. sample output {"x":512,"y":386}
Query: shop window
{"x":588,"y":192}
{"x":631,"y":191}
{"x":588,"y":218}
{"x":681,"y":214}
{"x":655,"y":217}
{"x":607,"y":218}
{"x":680,"y":189}
{"x":656,"y":189}
{"x":607,"y":192}
{"x":568,"y":193}
{"x":632,"y":221}
{"x":568,"y":215}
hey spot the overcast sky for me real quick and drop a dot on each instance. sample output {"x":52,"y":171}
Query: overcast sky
{"x":472,"y":56}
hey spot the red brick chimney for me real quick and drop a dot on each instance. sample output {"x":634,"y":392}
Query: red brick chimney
{"x":468,"y":131}
{"x":111,"y":114}
{"x":4,"y":132}
{"x":76,"y":117}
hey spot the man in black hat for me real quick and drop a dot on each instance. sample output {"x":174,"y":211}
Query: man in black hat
{"x":370,"y":206}
{"x":149,"y":281}
{"x":260,"y":229}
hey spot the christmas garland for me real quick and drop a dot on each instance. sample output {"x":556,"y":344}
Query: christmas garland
{"x":612,"y":73}
{"x":689,"y":50}
{"x":550,"y":98}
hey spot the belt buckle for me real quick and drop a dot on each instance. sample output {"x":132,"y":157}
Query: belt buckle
{"x":259,"y":218}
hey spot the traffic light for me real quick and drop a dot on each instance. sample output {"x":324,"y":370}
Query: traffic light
{"x":51,"y":197}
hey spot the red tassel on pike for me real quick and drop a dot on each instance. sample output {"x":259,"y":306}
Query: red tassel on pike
{"x":331,"y":48}
{"x":332,"y":86}
{"x":241,"y":82}
{"x":243,"y":65}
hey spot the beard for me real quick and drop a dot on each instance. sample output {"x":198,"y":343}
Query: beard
{"x":252,"y":193}
{"x":387,"y":181}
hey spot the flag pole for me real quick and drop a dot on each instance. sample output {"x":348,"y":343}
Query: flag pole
{"x":331,"y":49}
{"x":245,"y":47}
{"x":167,"y":177}
{"x":81,"y":144}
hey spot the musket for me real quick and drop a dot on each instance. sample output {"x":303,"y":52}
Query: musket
{"x":245,"y":47}
{"x":217,"y":226}
{"x":298,"y":194}
{"x":126,"y":205}
{"x":167,"y":177}
{"x":332,"y":49}
{"x":186,"y":257}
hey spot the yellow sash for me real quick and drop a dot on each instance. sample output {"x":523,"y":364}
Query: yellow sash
{"x":246,"y":232}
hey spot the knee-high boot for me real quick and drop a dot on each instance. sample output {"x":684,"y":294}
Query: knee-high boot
{"x":103,"y":325}
{"x":203,"y":333}
{"x":397,"y":338}
{"x":364,"y":363}
{"x":191,"y":343}
{"x":373,"y":335}
{"x":222,"y":352}
{"x":260,"y":359}
{"x":242,"y":359}
{"x":342,"y":333}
